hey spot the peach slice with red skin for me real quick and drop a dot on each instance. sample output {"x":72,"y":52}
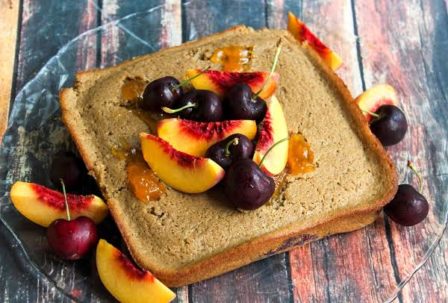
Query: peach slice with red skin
{"x":374,"y":97}
{"x":42,"y":205}
{"x":273,"y":129}
{"x":302,"y":33}
{"x":125,"y":281}
{"x":194,"y":138}
{"x":221,"y":81}
{"x":181,"y":171}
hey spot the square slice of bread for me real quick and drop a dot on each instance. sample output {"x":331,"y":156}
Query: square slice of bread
{"x":184,"y":238}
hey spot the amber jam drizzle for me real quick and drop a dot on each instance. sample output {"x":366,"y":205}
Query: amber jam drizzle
{"x":233,"y":58}
{"x":131,"y":92}
{"x":132,"y":89}
{"x":300,"y":155}
{"x":121,"y":150}
{"x":142,"y":180}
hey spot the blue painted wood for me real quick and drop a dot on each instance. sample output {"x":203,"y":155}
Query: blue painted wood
{"x":267,"y":280}
{"x":48,"y":25}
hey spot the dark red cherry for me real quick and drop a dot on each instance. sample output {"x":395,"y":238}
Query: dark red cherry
{"x":231,"y":149}
{"x":72,"y":240}
{"x":204,"y":106}
{"x":246,"y":186}
{"x":241,"y":103}
{"x":408,"y":207}
{"x":68,"y":167}
{"x":391,"y":125}
{"x":161,"y":92}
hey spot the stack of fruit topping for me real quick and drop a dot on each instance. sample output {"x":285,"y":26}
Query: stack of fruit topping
{"x":228,"y":128}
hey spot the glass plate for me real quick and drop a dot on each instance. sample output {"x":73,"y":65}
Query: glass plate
{"x":35,"y":133}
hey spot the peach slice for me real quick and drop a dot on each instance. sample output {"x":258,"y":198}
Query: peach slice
{"x":125,"y":281}
{"x":273,"y":129}
{"x":376,"y":96}
{"x":181,"y":171}
{"x":194,"y":138}
{"x":302,"y":33}
{"x":42,"y":205}
{"x":220,"y":81}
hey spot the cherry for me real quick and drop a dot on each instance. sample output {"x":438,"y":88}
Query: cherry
{"x":198,"y":105}
{"x":161,"y":92}
{"x":409,"y":206}
{"x":71,"y":239}
{"x":241,"y":103}
{"x":227,"y":151}
{"x":68,"y":167}
{"x":246,"y":186}
{"x":389,"y":124}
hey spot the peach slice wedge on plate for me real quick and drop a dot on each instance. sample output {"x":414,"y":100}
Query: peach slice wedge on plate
{"x":221,"y":81}
{"x":125,"y":281}
{"x":302,"y":33}
{"x":181,"y":171}
{"x":273,"y":129}
{"x":194,"y":138}
{"x":376,"y":96}
{"x":42,"y":205}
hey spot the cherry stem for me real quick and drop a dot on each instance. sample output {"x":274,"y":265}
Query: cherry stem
{"x":370,"y":113}
{"x":67,"y":209}
{"x":235,"y":141}
{"x":176,"y":110}
{"x":183,"y":82}
{"x":417,"y":173}
{"x":274,"y":65}
{"x":271,"y":148}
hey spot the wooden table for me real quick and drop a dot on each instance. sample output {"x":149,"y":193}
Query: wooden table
{"x":403,"y":43}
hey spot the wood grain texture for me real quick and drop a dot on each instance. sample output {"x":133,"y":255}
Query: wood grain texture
{"x":163,"y":30}
{"x":403,"y":43}
{"x":326,"y":270}
{"x":9,"y":18}
{"x":35,"y":277}
{"x":411,"y":55}
{"x":266,"y":280}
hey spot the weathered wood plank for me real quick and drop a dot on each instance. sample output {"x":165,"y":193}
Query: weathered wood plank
{"x":405,"y":44}
{"x":327,"y":270}
{"x":41,"y":39}
{"x":263,"y":281}
{"x":8,"y":33}
{"x":277,"y":12}
{"x":162,"y":28}
{"x":384,"y":53}
{"x":201,"y":18}
{"x":46,"y":27}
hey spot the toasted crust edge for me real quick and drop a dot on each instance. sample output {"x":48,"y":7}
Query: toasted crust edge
{"x":265,"y":245}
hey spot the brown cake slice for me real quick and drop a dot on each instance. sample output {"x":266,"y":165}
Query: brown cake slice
{"x":183,"y":238}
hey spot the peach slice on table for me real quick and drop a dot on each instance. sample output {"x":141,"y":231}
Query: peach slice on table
{"x":376,"y":96}
{"x":42,"y":205}
{"x":273,"y":129}
{"x":302,"y":33}
{"x":181,"y":171}
{"x":194,"y":138}
{"x":125,"y":281}
{"x":221,"y":81}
